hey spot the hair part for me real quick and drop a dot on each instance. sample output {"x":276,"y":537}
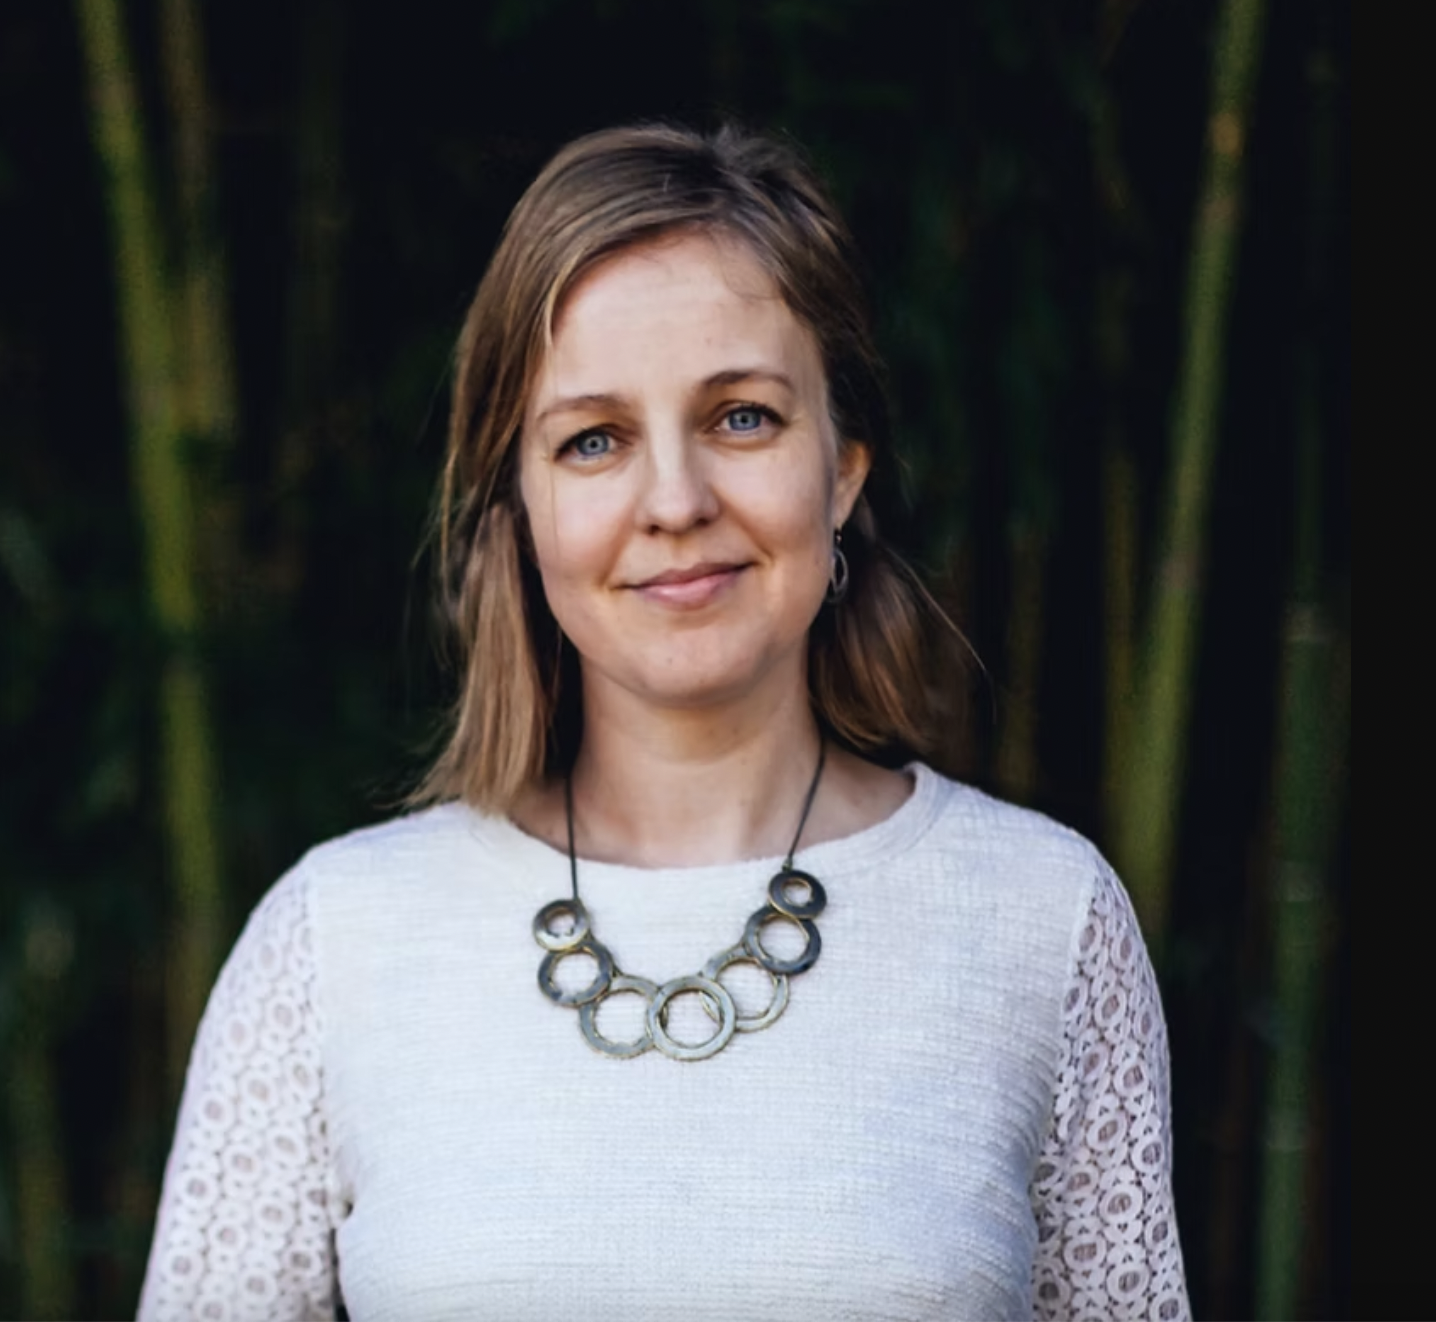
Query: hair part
{"x":518,"y":717}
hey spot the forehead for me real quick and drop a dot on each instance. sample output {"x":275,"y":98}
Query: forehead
{"x":680,"y":304}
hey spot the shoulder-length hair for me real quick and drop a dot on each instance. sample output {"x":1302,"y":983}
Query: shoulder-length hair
{"x":518,"y":717}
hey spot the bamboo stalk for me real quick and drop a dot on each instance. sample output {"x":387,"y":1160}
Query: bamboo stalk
{"x":132,"y":1184}
{"x":206,"y":354}
{"x":1155,"y":751}
{"x":1119,"y":616}
{"x":1313,"y":737}
{"x":1297,"y":956}
{"x":153,"y":376}
{"x":42,"y":1211}
{"x":1120,"y":493}
{"x":206,"y":391}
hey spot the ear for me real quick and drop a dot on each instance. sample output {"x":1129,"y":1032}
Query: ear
{"x":855,"y":458}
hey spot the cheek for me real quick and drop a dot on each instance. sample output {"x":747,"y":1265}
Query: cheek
{"x":559,"y":562}
{"x":562,"y":586}
{"x":793,"y":506}
{"x":576,"y":545}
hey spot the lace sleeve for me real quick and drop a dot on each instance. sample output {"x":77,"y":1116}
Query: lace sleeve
{"x":245,"y":1220}
{"x":1102,"y":1190}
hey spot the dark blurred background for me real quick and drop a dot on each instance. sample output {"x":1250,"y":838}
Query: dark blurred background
{"x":1108,"y":245}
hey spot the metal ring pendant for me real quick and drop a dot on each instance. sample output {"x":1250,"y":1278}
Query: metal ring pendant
{"x":778,"y":896}
{"x":583,"y":995}
{"x":749,"y":1023}
{"x":588,"y":1018}
{"x":710,"y":989}
{"x":545,"y":918}
{"x":753,"y":943}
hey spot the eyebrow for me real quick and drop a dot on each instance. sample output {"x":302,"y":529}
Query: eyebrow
{"x":737,"y":375}
{"x":601,"y":400}
{"x":574,"y":403}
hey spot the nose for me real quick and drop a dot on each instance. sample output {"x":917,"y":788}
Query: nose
{"x":678,"y":492}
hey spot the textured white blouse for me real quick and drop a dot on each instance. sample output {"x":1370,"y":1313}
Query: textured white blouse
{"x":963,"y":1112}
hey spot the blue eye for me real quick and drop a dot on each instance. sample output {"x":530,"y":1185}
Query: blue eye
{"x":591,"y":444}
{"x":747,"y":418}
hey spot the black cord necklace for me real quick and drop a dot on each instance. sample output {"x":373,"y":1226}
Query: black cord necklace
{"x":563,"y":928}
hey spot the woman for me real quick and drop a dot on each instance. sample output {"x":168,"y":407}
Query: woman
{"x":813,"y":1037}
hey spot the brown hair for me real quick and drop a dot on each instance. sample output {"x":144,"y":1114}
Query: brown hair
{"x":517,"y":717}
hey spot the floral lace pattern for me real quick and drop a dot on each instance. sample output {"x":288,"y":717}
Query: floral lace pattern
{"x":245,"y":1228}
{"x":1102,"y":1193}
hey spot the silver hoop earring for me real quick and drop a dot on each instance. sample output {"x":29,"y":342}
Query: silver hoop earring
{"x":838,"y":575}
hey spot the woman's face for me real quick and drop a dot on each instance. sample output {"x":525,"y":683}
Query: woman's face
{"x":681,"y":475}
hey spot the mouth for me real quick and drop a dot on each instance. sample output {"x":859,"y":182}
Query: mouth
{"x":689,"y":587}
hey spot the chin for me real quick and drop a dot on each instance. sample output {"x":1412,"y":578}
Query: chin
{"x":699,"y":678}
{"x":693,"y":691}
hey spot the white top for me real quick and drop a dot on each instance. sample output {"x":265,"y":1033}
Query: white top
{"x":963,"y":1112}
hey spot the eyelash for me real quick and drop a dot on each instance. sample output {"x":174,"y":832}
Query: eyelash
{"x":570,"y":446}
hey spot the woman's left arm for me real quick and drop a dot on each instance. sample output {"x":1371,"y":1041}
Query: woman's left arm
{"x":1102,"y":1190}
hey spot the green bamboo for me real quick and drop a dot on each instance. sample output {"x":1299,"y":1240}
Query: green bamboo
{"x":42,"y":1212}
{"x":1313,"y":738}
{"x":131,"y":1183}
{"x":1119,"y":617}
{"x":1298,"y":947}
{"x":41,"y":1205}
{"x":207,"y":380}
{"x":153,"y":374}
{"x":1120,"y":492}
{"x":1154,"y":755}
{"x":1312,"y":742}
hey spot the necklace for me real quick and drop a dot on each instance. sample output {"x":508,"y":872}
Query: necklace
{"x":563,"y":928}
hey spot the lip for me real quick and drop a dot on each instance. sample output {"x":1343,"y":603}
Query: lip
{"x":689,"y":587}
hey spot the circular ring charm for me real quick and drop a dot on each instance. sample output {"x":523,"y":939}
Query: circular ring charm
{"x":748,"y":1023}
{"x":588,"y":1018}
{"x":583,"y":995}
{"x":753,"y":944}
{"x":711,"y":991}
{"x":559,"y":941}
{"x":816,"y":902}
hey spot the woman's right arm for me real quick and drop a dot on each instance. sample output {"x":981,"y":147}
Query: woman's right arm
{"x":247,"y":1217}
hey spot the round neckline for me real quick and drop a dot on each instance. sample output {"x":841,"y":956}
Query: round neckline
{"x":894,"y":834}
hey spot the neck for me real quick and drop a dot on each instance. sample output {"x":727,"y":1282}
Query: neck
{"x":685,"y":787}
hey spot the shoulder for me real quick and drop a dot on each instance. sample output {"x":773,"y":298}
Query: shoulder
{"x":1019,"y":846}
{"x":1017,"y":871}
{"x":376,"y":904}
{"x":422,"y":837}
{"x":408,"y":864}
{"x":429,"y":847}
